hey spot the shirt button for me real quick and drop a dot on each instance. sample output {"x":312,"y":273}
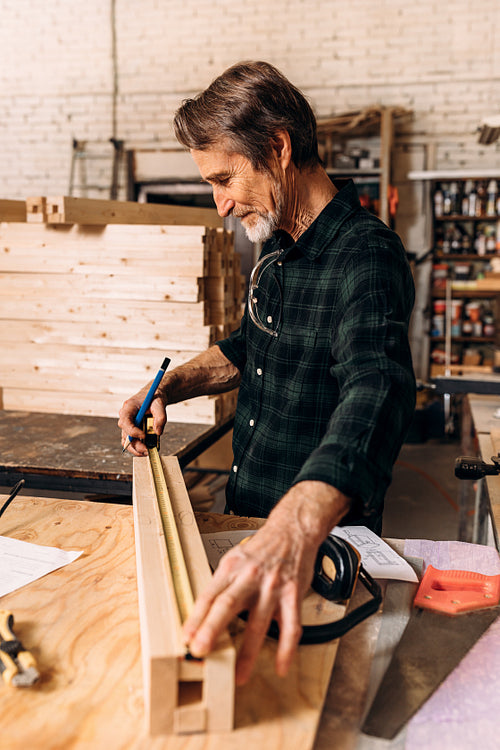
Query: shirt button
{"x":279,"y":263}
{"x":259,"y":371}
{"x":252,"y":422}
{"x":235,"y":468}
{"x":269,"y":319}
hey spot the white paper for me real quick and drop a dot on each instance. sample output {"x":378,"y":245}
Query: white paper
{"x":219,"y":542}
{"x":23,"y":562}
{"x":380,"y":560}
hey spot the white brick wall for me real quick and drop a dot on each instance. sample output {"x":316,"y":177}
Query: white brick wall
{"x":56,"y":70}
{"x":442,"y":60}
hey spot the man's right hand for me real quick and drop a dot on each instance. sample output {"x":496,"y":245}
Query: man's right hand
{"x":128,"y":413}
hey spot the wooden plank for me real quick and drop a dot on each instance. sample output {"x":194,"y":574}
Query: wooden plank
{"x":12,"y":210}
{"x":489,"y":284}
{"x":118,"y":249}
{"x":161,"y":642}
{"x":200,"y":410}
{"x":163,"y":651}
{"x":69,"y":210}
{"x":134,"y":335}
{"x":113,"y":312}
{"x":36,"y":209}
{"x":108,"y":286}
{"x":94,"y":364}
{"x":220,"y":289}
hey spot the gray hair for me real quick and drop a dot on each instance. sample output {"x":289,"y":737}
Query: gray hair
{"x":246,"y":106}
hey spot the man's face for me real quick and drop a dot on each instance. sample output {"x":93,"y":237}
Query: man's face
{"x":240,"y":190}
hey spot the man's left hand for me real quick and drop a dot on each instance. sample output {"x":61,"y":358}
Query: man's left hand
{"x":268,"y":576}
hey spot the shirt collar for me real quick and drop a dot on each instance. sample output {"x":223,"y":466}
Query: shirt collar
{"x":326,"y":226}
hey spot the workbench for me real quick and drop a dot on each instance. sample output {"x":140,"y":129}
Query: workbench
{"x":81,"y":623}
{"x":481,"y":436}
{"x":83,"y":454}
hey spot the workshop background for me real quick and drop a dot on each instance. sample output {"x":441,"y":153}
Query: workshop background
{"x":93,"y":70}
{"x":100,"y":73}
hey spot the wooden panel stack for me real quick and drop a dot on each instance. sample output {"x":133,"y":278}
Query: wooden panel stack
{"x":94,"y":294}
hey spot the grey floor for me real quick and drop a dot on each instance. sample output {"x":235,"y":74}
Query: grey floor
{"x":422,"y":501}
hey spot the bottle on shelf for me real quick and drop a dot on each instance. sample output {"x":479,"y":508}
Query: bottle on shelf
{"x":491,"y":200}
{"x":481,"y":199}
{"x":472,"y":200}
{"x":454,"y":199}
{"x":438,"y":202}
{"x":466,"y":197}
{"x":446,"y":200}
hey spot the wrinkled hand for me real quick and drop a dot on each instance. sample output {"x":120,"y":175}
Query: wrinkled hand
{"x":127,"y":415}
{"x":268,"y":575}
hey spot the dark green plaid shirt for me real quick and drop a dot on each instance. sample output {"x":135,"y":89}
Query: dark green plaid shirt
{"x":331,"y":396}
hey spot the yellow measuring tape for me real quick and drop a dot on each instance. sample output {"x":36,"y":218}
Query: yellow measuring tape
{"x":180,"y":576}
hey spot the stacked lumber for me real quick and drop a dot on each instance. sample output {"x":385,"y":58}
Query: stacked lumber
{"x":94,"y":294}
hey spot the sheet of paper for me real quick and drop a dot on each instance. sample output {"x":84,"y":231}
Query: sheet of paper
{"x":23,"y":562}
{"x":378,"y":558}
{"x":218,"y":543}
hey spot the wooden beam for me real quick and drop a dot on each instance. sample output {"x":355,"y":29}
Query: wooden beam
{"x":386,"y":142}
{"x":36,"y":209}
{"x":179,"y":696}
{"x":68,"y":210}
{"x":11,"y":210}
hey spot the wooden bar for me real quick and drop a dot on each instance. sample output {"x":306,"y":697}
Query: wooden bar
{"x":12,"y":210}
{"x":179,"y":697}
{"x":36,"y":209}
{"x":206,"y":410}
{"x":105,"y":285}
{"x":69,"y":210}
{"x":136,"y":335}
{"x":115,"y":248}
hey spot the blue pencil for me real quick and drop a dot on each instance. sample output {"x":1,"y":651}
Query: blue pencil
{"x":147,"y":401}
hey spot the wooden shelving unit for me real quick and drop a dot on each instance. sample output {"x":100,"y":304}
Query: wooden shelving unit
{"x":465,"y":332}
{"x":373,"y":122}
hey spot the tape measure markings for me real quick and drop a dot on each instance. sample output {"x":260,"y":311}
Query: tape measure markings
{"x":180,"y":576}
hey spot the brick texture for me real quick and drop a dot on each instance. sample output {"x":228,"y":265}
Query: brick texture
{"x":60,"y":80}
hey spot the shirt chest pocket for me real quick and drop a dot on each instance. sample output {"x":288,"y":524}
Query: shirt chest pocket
{"x":303,"y":364}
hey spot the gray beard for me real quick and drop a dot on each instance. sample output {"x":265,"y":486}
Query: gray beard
{"x":266,"y":224}
{"x":262,"y":228}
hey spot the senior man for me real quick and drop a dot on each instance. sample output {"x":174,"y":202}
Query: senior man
{"x":321,"y":358}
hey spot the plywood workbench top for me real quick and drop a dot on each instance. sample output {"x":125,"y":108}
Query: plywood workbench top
{"x":81,"y":623}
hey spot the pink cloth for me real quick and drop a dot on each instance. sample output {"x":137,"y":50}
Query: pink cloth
{"x":464,"y":712}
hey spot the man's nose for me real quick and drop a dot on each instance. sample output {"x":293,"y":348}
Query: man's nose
{"x":224,"y":204}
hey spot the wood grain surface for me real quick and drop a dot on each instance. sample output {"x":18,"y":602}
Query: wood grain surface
{"x":78,"y":446}
{"x":81,"y":623}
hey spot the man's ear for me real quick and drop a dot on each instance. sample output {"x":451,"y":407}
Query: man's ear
{"x":282,"y":147}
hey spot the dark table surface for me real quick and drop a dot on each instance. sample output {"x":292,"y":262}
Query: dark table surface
{"x":81,"y":453}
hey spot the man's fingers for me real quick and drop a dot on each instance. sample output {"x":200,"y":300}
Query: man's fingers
{"x":230,"y":591}
{"x":223,"y":609}
{"x":290,"y":631}
{"x":159,"y":415}
{"x":255,"y":631}
{"x":136,"y":447}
